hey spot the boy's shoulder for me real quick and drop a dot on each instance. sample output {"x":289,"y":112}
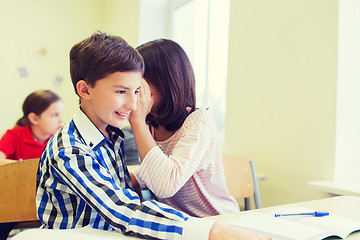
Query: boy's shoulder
{"x":67,"y":136}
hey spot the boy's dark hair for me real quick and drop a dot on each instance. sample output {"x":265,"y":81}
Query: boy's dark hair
{"x":36,"y":102}
{"x":100,"y":55}
{"x":169,"y":70}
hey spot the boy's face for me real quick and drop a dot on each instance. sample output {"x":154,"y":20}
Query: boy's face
{"x":112,"y":98}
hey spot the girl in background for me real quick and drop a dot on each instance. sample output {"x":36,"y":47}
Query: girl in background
{"x":180,"y":156}
{"x":42,"y":117}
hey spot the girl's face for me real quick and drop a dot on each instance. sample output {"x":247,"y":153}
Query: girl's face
{"x":50,"y":121}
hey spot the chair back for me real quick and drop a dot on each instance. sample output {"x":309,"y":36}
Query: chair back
{"x":241,"y":179}
{"x":18,"y":187}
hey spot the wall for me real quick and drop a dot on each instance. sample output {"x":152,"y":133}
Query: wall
{"x":347,"y":152}
{"x":281,"y":79}
{"x":122,"y":18}
{"x":55,"y":26}
{"x":281,"y":93}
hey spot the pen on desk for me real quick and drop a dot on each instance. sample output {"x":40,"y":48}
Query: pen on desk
{"x":315,"y":214}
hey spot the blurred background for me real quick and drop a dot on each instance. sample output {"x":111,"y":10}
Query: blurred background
{"x":280,"y":76}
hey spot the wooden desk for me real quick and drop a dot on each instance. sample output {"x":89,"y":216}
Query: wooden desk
{"x":345,"y":206}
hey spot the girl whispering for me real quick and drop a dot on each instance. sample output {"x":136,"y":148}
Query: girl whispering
{"x":177,"y":143}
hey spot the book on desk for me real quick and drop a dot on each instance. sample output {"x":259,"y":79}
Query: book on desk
{"x":297,"y":227}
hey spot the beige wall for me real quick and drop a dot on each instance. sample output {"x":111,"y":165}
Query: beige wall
{"x":281,"y":79}
{"x":123,"y":19}
{"x":281,"y":93}
{"x":27,"y":26}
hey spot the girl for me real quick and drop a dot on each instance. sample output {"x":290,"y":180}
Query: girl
{"x":42,"y":118}
{"x":181,"y":157}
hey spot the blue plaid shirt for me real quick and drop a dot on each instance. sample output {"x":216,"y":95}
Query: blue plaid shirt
{"x":83,"y":180}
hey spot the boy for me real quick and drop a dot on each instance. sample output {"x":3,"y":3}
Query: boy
{"x":83,"y":179}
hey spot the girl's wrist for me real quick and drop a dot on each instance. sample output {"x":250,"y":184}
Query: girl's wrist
{"x":137,"y":123}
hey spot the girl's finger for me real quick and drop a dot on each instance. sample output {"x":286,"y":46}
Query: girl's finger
{"x":146,"y":87}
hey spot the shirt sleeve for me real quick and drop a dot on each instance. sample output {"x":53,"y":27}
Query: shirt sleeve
{"x":165,"y":175}
{"x":120,"y":207}
{"x":8,"y":143}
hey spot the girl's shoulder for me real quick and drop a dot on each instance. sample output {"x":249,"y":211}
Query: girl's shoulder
{"x":200,"y":117}
{"x":17,"y":133}
{"x":18,"y":130}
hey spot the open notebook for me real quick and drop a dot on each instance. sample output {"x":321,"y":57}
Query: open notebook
{"x":297,"y":227}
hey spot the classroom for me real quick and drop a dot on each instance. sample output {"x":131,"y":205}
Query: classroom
{"x":281,"y":92}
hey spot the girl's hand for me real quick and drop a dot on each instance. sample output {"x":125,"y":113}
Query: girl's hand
{"x":222,"y":231}
{"x":144,"y":104}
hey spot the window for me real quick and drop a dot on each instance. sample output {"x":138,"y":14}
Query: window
{"x":201,"y":28}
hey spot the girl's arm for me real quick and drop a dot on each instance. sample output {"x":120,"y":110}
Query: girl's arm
{"x":165,"y":175}
{"x":143,"y":138}
{"x":3,"y":159}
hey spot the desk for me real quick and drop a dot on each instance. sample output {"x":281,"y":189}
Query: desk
{"x":345,"y":206}
{"x":336,"y":188}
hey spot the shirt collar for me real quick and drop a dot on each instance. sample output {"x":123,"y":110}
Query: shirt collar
{"x":92,"y":136}
{"x":89,"y":132}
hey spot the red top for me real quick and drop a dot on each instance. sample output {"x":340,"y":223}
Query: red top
{"x":19,"y":143}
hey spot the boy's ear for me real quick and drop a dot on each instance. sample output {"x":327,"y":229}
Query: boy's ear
{"x":33,"y":118}
{"x":82,"y":89}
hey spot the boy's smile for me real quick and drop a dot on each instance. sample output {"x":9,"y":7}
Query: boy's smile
{"x":111,"y":99}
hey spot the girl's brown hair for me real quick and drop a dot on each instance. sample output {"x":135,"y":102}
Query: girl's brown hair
{"x":168,"y":69}
{"x":37,"y":102}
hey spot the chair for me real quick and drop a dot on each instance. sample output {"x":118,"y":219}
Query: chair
{"x":241,"y":179}
{"x":17,"y":198}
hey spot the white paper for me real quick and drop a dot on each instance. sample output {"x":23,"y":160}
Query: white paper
{"x":296,"y":227}
{"x":86,"y":233}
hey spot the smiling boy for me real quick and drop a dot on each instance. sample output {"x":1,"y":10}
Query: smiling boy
{"x":82,"y":178}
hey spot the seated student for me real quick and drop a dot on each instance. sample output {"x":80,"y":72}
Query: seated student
{"x":82,"y":180}
{"x":41,"y":118}
{"x":181,"y":156}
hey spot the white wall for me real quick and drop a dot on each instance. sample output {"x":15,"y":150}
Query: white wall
{"x":347,"y":157}
{"x":153,"y":20}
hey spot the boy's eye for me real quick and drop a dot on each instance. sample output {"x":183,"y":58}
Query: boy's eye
{"x":137,"y":91}
{"x":121,"y":91}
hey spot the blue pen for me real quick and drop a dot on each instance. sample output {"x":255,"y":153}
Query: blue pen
{"x":315,"y":214}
